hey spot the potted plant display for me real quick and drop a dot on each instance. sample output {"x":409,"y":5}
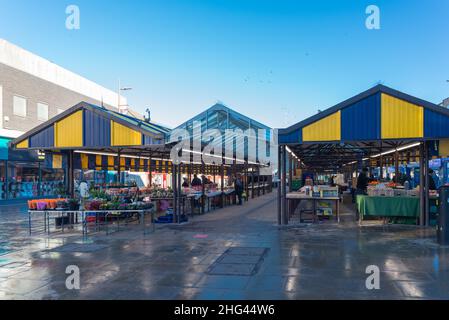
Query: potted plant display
{"x":73,"y":204}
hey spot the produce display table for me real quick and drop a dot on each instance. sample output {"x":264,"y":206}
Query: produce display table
{"x":229,"y":197}
{"x":157,"y":201}
{"x":47,"y":214}
{"x":295,"y":198}
{"x":386,"y":207}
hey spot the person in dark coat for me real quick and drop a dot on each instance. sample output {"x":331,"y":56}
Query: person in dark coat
{"x":196,"y":182}
{"x":432,"y":184}
{"x":362,"y":181}
{"x":238,"y":186}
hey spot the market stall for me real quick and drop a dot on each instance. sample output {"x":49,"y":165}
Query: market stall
{"x":123,"y":161}
{"x":369,"y":131}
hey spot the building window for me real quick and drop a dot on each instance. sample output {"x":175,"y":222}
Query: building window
{"x":59,"y":110}
{"x":42,"y":112}
{"x":19,"y":106}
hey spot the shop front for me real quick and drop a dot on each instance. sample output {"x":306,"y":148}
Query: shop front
{"x":24,"y":174}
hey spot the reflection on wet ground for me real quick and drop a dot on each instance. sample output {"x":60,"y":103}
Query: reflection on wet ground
{"x":193,"y":261}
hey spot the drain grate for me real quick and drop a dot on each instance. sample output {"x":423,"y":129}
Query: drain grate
{"x":238,"y":261}
{"x":78,"y":247}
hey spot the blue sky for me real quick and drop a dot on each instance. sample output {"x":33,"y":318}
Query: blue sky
{"x":275,"y":61}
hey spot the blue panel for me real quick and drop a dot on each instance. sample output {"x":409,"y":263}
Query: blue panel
{"x":43,"y":139}
{"x":48,"y":162}
{"x":97,"y":130}
{"x":104,"y":162}
{"x":127,"y":163}
{"x":361,"y":121}
{"x":293,"y":137}
{"x":436,"y":125}
{"x":77,"y":161}
{"x":91,"y":161}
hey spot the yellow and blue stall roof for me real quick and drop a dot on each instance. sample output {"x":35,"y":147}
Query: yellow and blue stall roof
{"x":89,"y":126}
{"x":380,"y":113}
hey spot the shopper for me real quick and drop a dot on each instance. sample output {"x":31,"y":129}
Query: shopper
{"x":205,"y":180}
{"x":362,"y":181}
{"x":238,"y":186}
{"x":185,"y":184}
{"x":196,"y":182}
{"x":432,"y":178}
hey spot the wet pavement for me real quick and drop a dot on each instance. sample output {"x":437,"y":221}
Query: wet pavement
{"x":232,"y":253}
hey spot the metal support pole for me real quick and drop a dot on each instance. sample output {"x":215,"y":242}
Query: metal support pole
{"x":175,"y":191}
{"x":71,"y":175}
{"x":179,"y":193}
{"x":396,"y":165}
{"x":222,"y":184}
{"x":381,"y":160}
{"x":426,"y":194}
{"x":422,"y":211}
{"x":119,"y":169}
{"x":150,"y":173}
{"x":284,"y":186}
{"x":246,"y":180}
{"x":290,"y":172}
{"x":279,"y":207}
{"x":252,"y":183}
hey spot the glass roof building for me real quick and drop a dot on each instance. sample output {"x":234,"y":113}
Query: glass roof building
{"x":224,"y":118}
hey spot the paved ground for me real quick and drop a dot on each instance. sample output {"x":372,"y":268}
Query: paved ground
{"x":325,"y":261}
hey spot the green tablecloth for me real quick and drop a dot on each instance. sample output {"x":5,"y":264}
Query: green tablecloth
{"x":388,"y":206}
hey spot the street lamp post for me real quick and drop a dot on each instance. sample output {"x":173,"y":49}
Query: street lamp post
{"x":120,"y":89}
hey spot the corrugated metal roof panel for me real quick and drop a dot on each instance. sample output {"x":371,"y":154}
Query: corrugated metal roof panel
{"x":401,"y":119}
{"x":97,"y":130}
{"x":436,"y":125}
{"x":361,"y":121}
{"x":44,"y":138}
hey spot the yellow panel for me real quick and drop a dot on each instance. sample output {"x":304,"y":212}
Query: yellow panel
{"x":57,"y":161}
{"x":133,"y":164}
{"x":23,"y":144}
{"x":111,"y":162}
{"x":327,"y":129}
{"x":69,"y":131}
{"x":98,"y":162}
{"x":122,"y":162}
{"x":401,"y":119}
{"x":443,"y":149}
{"x":141,"y":165}
{"x":84,"y":161}
{"x":124,"y":136}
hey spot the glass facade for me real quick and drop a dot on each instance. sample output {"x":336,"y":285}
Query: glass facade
{"x":222,"y":118}
{"x":3,"y":187}
{"x":23,"y":175}
{"x":22,"y":180}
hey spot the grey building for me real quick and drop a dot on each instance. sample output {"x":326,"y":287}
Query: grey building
{"x":33,"y":90}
